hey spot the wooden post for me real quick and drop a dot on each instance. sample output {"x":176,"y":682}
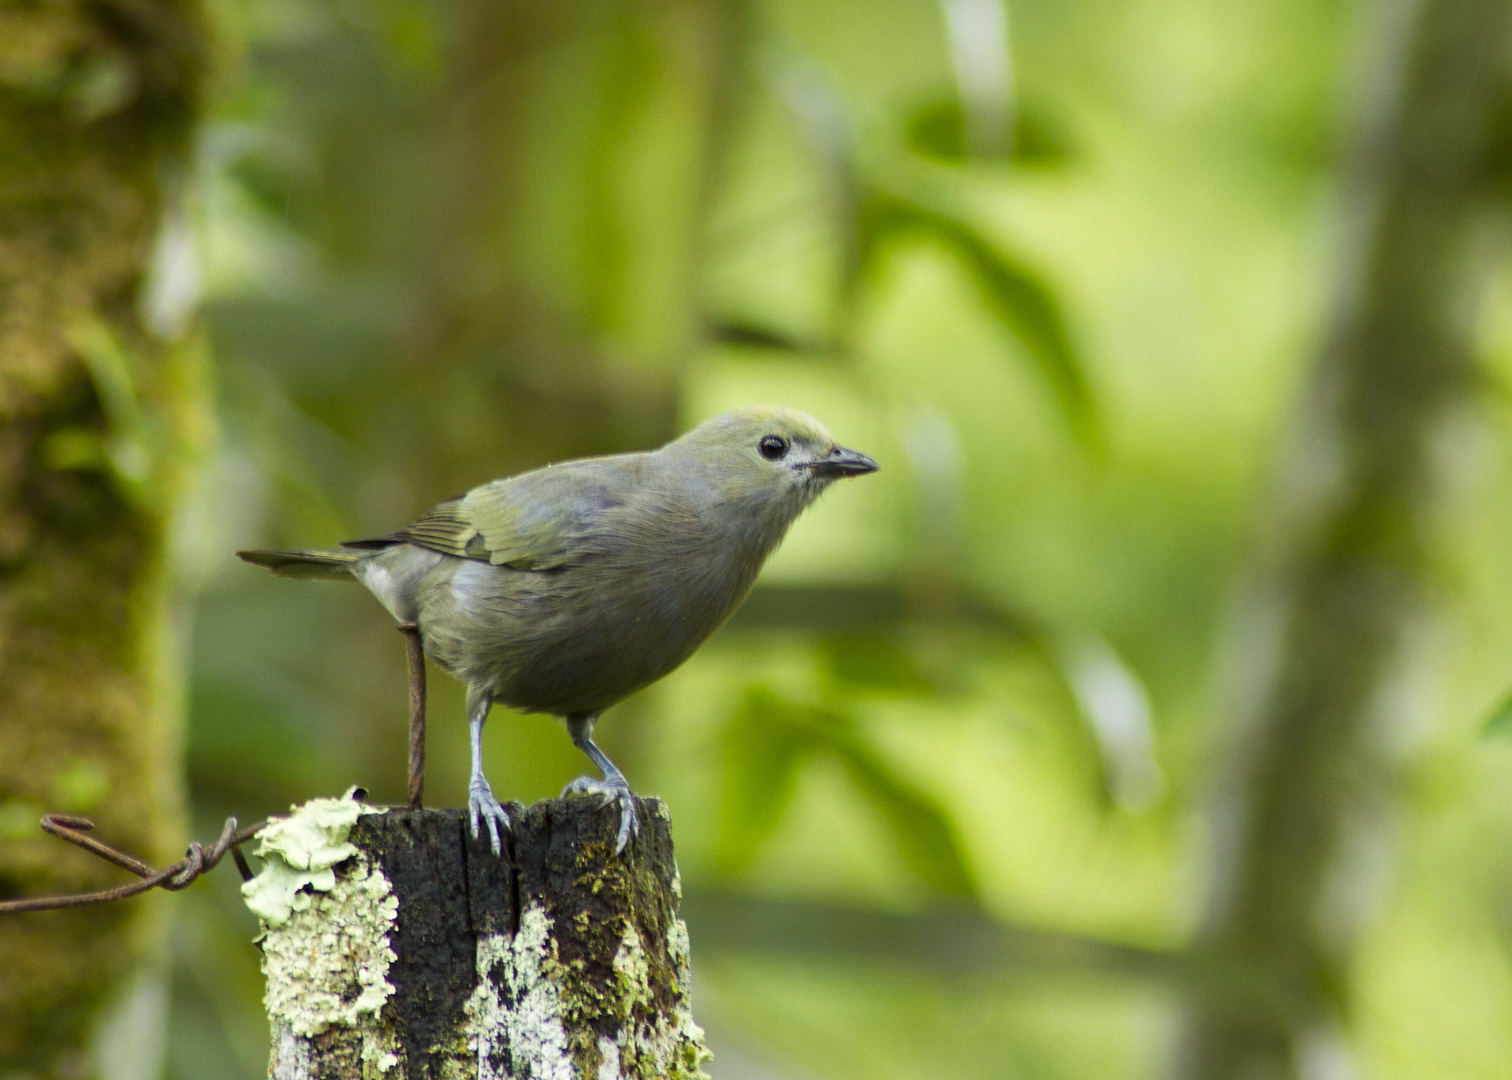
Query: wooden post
{"x":396,"y":946}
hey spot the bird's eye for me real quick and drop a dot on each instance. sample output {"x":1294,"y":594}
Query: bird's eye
{"x":772,"y":447}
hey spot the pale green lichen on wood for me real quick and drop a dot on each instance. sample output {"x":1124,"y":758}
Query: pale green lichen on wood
{"x":380,"y":1050}
{"x":301,"y":853}
{"x":540,"y":1011}
{"x":689,"y":1036}
{"x":517,"y":1004}
{"x":326,"y":951}
{"x":672,"y":1045}
{"x":650,"y":1041}
{"x":328,"y":964}
{"x":486,"y":1009}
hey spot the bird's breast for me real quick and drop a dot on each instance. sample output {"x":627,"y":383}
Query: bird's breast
{"x":581,"y":637}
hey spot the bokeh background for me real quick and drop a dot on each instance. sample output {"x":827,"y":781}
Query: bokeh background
{"x":1138,"y":719}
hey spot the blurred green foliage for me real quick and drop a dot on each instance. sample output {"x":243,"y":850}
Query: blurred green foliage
{"x":444,"y":240}
{"x":769,"y":739}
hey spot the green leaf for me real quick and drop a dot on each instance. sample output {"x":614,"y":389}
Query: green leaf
{"x":875,"y":663}
{"x":1017,"y":295}
{"x":762,"y":752}
{"x":1500,"y":721}
{"x":938,"y":130}
{"x":768,"y":741}
{"x":750,"y":335}
{"x":924,"y":833}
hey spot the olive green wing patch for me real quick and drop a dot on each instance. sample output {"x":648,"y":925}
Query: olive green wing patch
{"x":530,"y":523}
{"x":444,"y":528}
{"x":539,"y":520}
{"x":507,"y":523}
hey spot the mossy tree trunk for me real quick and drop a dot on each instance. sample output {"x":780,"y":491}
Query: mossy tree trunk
{"x":1341,"y":589}
{"x":397,"y":946}
{"x":101,"y":406}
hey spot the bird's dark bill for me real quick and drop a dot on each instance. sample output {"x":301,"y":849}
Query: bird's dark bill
{"x":843,"y":462}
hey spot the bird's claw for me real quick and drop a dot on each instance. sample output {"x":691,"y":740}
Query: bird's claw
{"x":612,"y":791}
{"x":483,"y":807}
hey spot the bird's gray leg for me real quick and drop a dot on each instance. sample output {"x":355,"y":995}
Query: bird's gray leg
{"x":613,"y":787}
{"x":481,"y":804}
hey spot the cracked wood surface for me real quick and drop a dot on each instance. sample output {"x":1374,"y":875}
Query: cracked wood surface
{"x":557,"y":960}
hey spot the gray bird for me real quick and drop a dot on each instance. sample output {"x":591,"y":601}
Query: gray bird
{"x":566,"y":589}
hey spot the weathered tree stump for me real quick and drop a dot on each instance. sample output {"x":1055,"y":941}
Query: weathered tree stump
{"x":397,"y":946}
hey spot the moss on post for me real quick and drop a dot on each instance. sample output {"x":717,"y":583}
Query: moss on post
{"x":406,"y":949}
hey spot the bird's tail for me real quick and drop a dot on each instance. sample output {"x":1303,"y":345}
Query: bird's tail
{"x":325,"y":563}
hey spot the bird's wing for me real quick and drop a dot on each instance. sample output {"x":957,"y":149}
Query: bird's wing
{"x":537,"y":521}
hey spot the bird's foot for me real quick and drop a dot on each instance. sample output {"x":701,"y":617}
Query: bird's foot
{"x":614,"y":790}
{"x":483,"y":808}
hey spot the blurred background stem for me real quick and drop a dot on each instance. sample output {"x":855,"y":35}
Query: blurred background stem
{"x":1339,"y":596}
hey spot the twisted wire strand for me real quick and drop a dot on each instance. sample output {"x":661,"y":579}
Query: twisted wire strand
{"x":195,"y":862}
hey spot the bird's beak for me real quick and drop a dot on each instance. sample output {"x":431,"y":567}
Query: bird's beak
{"x":842,"y":462}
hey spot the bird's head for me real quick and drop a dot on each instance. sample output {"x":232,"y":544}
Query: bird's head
{"x":774,"y":461}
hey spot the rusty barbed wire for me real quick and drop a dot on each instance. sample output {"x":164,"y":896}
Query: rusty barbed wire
{"x":195,"y":862}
